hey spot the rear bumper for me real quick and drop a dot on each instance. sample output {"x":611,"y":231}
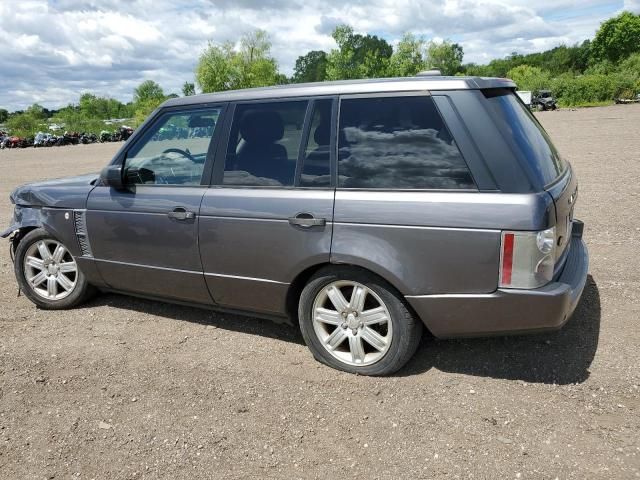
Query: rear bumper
{"x":508,"y":311}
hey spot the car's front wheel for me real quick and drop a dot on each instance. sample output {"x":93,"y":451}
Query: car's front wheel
{"x":353,"y":321}
{"x":47,"y":273}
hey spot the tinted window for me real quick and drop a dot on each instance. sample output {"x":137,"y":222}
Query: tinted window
{"x":264,"y":143}
{"x":316,"y":170}
{"x":400,"y":143}
{"x":174,"y":150}
{"x":526,"y":135}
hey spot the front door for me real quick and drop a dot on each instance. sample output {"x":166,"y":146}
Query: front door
{"x":145,"y":238}
{"x":270,"y":214}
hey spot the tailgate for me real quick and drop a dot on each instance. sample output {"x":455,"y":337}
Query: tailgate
{"x":564,"y":193}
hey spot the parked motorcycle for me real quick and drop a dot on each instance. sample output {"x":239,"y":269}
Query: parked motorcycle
{"x":105,"y":136}
{"x":87,"y":138}
{"x":125,"y":132}
{"x":41,"y":139}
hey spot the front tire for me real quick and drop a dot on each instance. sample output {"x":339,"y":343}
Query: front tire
{"x":353,"y":321}
{"x":48,"y":274}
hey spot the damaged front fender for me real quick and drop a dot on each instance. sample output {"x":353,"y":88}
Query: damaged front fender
{"x":59,"y":222}
{"x":23,"y":217}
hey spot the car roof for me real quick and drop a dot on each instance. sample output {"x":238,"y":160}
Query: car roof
{"x":345,"y":87}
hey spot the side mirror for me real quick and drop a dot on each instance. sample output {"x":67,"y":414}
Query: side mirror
{"x":111,"y":176}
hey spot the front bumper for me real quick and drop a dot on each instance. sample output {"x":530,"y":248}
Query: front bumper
{"x":509,"y":311}
{"x":9,"y":231}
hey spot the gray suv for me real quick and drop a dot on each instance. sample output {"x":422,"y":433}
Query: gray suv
{"x":363,"y":211}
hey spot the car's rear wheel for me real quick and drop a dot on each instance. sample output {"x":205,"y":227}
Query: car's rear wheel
{"x":48,"y":273}
{"x":353,"y":321}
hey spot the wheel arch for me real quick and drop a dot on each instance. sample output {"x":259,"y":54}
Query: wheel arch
{"x":57,"y":222}
{"x":299,"y":282}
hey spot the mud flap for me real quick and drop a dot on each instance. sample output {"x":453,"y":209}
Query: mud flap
{"x":12,"y":254}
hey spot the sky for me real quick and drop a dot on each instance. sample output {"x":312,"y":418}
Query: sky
{"x":53,"y":51}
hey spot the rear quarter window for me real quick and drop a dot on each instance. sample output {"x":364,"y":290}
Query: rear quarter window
{"x":526,"y":137}
{"x":397,"y":143}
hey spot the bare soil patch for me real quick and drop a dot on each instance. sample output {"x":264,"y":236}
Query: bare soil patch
{"x":126,"y":388}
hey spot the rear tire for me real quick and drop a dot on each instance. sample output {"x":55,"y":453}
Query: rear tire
{"x":354,"y":321}
{"x":48,"y":274}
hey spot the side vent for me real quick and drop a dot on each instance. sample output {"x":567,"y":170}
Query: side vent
{"x":80,"y":222}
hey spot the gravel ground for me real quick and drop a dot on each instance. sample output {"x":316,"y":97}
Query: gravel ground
{"x":127,"y":388}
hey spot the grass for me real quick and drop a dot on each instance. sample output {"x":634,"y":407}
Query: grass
{"x":603,"y":103}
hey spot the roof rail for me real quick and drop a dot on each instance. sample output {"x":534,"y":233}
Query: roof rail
{"x":434,"y":72}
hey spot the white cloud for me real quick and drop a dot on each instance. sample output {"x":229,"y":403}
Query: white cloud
{"x":632,"y":5}
{"x":55,"y":50}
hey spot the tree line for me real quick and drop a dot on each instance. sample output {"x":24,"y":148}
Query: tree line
{"x":597,"y":70}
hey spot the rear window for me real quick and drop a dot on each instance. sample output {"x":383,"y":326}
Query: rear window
{"x":398,"y":143}
{"x":525,"y":135}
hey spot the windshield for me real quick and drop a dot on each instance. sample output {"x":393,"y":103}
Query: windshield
{"x":525,"y":135}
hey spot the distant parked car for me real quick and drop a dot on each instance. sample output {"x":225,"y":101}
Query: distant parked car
{"x":630,"y":99}
{"x":363,"y":211}
{"x":544,"y":100}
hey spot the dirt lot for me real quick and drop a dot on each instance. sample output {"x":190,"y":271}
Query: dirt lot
{"x":127,"y":388}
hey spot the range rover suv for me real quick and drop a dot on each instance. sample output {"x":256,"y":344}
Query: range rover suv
{"x":363,"y":211}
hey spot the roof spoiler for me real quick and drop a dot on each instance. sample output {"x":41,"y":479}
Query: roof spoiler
{"x":489,"y":82}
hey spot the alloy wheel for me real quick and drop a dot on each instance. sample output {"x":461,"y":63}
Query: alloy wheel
{"x":357,"y":331}
{"x":50,"y":270}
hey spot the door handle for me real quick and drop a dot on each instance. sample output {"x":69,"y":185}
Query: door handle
{"x":306,"y":220}
{"x":181,"y":213}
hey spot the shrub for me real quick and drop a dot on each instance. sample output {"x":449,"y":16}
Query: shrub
{"x":530,"y":78}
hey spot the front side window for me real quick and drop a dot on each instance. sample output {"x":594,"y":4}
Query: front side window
{"x":174,"y":150}
{"x":264,"y":143}
{"x":397,"y":143}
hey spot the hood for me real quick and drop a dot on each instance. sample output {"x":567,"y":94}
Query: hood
{"x":69,"y":192}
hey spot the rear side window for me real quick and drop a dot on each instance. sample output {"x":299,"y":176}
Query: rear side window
{"x":526,"y":136}
{"x":397,"y":143}
{"x":316,"y":160}
{"x":264,"y":144}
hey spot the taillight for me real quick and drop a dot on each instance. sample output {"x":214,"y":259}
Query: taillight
{"x":527,"y":258}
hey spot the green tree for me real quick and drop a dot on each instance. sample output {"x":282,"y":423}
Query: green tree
{"x":188,"y":89}
{"x":311,"y":67}
{"x":357,"y":56}
{"x":617,"y":38}
{"x":282,"y":79}
{"x":4,"y":114}
{"x":407,"y":58}
{"x":226,"y":67}
{"x":445,"y":56}
{"x":631,"y":65}
{"x":530,"y":78}
{"x":144,"y":109}
{"x":148,"y":90}
{"x":27,"y":123}
{"x":36,"y":111}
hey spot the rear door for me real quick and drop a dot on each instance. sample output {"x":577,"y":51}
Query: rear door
{"x":406,"y":200}
{"x":269,"y":214}
{"x":144,"y":238}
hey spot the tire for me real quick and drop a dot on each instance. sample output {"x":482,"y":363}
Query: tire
{"x":70,"y":286}
{"x":334,"y":337}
